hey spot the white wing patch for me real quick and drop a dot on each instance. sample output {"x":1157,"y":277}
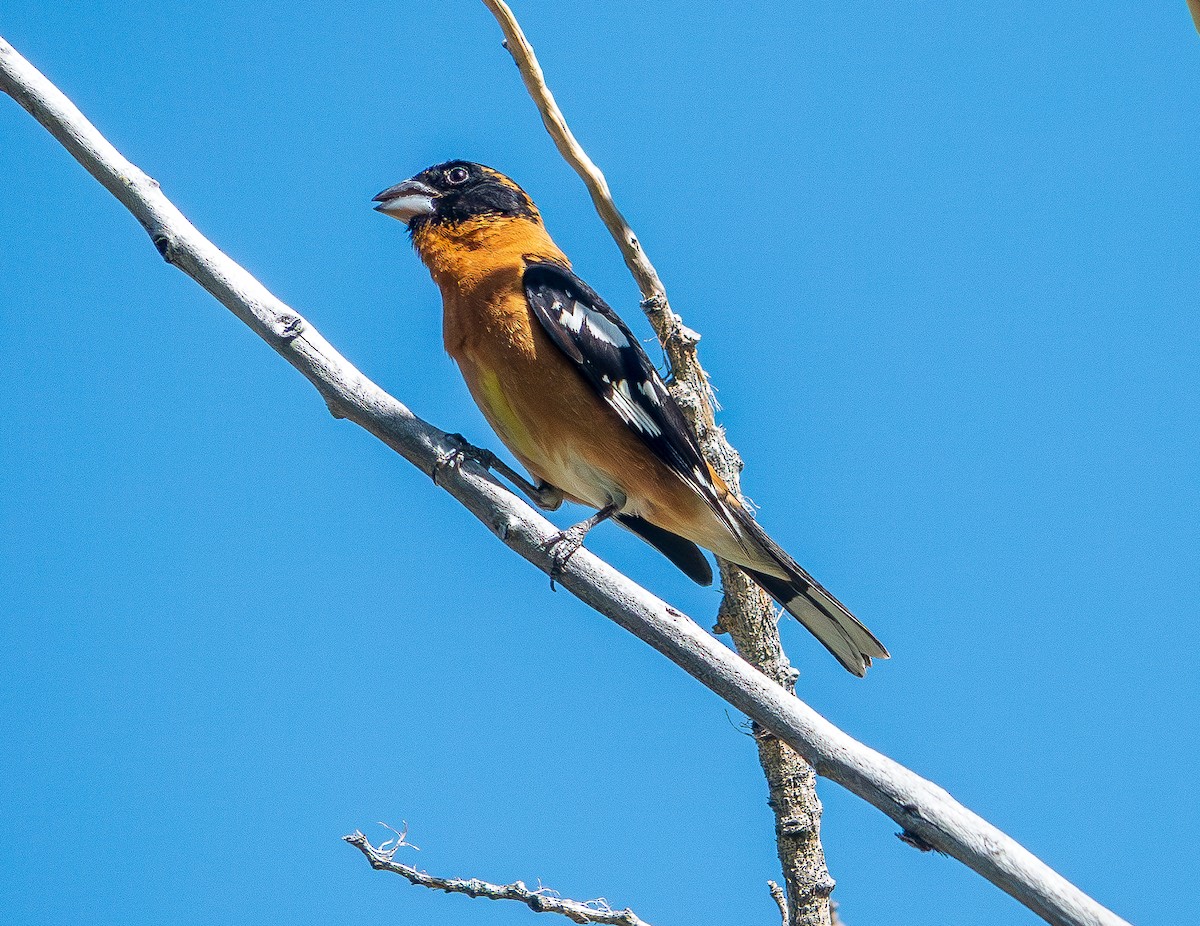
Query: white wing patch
{"x":574,"y":319}
{"x":575,"y":315}
{"x":633,"y":413}
{"x":604,"y":330}
{"x":647,"y":389}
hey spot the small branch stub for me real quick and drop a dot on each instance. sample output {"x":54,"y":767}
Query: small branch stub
{"x":162,"y":244}
{"x":920,"y":843}
{"x":290,"y":326}
{"x":780,"y":899}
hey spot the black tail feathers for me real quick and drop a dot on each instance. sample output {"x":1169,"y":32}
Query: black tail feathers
{"x":839,"y":631}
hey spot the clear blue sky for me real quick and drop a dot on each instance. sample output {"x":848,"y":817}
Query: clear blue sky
{"x":944,"y":260}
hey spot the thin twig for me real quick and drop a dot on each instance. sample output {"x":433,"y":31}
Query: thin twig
{"x":918,"y":805}
{"x":677,"y":339}
{"x":747,"y":614}
{"x":535,"y":82}
{"x":542,"y":900}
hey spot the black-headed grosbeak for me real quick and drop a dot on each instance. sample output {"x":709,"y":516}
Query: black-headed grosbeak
{"x":569,"y":390}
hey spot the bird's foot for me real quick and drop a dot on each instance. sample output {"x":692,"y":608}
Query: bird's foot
{"x":565,"y":544}
{"x":543,"y":494}
{"x":461,"y":449}
{"x":561,"y":547}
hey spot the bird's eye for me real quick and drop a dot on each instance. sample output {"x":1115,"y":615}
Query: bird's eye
{"x":457,"y":175}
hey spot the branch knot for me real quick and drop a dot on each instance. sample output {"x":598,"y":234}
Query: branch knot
{"x":165,"y":246}
{"x":289,"y":327}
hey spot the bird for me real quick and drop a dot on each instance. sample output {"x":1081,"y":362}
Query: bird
{"x":567,"y":387}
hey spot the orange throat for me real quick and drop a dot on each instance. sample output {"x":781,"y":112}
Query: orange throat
{"x":462,"y":255}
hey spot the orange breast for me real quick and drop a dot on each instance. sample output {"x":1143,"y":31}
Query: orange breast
{"x":531,"y":393}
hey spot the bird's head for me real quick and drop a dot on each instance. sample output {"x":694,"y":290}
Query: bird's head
{"x":453,"y":193}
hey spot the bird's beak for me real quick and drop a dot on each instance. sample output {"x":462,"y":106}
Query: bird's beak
{"x":405,"y":201}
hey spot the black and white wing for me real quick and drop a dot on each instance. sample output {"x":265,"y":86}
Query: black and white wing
{"x":613,"y":362}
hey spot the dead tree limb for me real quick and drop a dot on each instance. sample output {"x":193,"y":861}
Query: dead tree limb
{"x":542,"y":900}
{"x":746,"y":614}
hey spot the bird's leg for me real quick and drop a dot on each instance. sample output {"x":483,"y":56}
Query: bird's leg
{"x":544,"y":495}
{"x":563,"y":545}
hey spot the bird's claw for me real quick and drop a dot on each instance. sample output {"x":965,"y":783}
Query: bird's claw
{"x":461,"y":449}
{"x":561,"y":547}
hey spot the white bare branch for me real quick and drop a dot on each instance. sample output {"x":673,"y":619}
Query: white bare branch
{"x":746,"y":614}
{"x":678,"y":340}
{"x":920,"y":807}
{"x":535,"y":82}
{"x":542,"y":900}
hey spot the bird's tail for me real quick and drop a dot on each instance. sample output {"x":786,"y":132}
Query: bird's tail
{"x":803,"y":597}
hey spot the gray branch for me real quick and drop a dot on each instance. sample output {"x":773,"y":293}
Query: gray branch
{"x":920,"y":807}
{"x":543,"y":900}
{"x":747,"y":614}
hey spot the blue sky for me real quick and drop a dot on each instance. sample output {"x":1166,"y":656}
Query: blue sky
{"x":943,"y":258}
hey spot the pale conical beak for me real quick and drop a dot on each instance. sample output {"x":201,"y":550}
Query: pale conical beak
{"x":406,"y":201}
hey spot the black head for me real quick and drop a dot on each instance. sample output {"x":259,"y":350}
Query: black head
{"x":454,"y":192}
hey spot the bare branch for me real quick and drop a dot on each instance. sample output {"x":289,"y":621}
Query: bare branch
{"x":678,"y":340}
{"x":535,"y":82}
{"x":542,"y":900}
{"x":919,"y":806}
{"x":390,"y":847}
{"x":747,"y":614}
